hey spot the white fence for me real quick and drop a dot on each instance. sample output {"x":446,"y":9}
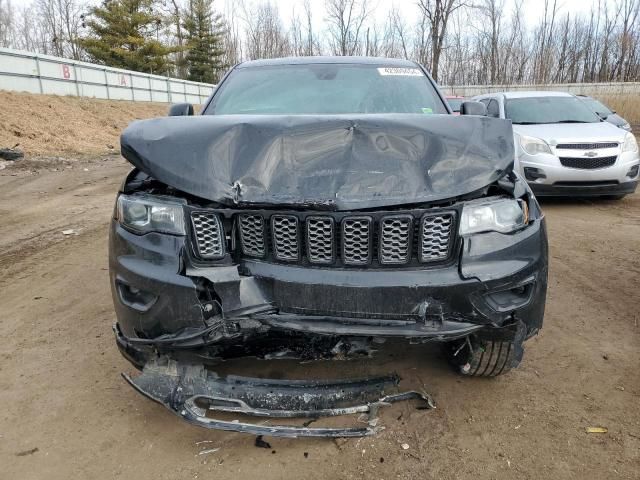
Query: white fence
{"x":592,"y":89}
{"x":35,"y":73}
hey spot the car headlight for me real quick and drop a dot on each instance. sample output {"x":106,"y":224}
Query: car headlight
{"x":626,"y":127}
{"x":534,"y":146}
{"x":143,"y":214}
{"x":502,"y":215}
{"x":630,"y":143}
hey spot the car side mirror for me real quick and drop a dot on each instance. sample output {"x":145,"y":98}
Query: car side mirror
{"x":473,"y":108}
{"x":181,"y":110}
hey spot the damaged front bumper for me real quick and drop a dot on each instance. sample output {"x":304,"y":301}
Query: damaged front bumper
{"x":193,"y":393}
{"x":177,"y":318}
{"x":165,"y":302}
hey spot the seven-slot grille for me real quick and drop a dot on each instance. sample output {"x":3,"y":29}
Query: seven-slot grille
{"x":587,"y":163}
{"x":209,"y":234}
{"x":351,"y":240}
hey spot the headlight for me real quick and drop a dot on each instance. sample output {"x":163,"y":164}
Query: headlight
{"x":143,"y":214}
{"x":534,"y":146}
{"x":503,"y":215}
{"x":626,"y":127}
{"x":630,"y":143}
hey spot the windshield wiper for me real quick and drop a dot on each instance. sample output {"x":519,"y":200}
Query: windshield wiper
{"x":572,"y":121}
{"x":527,"y":123}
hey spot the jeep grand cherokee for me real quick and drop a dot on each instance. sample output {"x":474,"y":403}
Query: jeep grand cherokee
{"x":324,"y":203}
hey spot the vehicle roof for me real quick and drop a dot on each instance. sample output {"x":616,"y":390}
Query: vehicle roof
{"x":541,"y":93}
{"x":391,"y":62}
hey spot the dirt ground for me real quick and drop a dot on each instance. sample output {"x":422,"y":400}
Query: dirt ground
{"x":66,"y":413}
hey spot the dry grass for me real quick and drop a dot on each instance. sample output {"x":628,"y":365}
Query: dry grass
{"x":627,"y":106}
{"x":54,"y":125}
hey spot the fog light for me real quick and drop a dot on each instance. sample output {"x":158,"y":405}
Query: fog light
{"x":533,"y":174}
{"x":135,"y":298}
{"x":633,"y":171}
{"x":516,"y":297}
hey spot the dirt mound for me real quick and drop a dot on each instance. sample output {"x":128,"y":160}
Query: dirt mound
{"x":54,"y":125}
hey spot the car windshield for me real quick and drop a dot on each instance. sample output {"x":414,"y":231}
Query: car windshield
{"x":535,"y":110}
{"x":326,"y":89}
{"x":455,"y":103}
{"x":598,"y":107}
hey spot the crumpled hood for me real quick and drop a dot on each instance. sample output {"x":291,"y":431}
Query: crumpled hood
{"x":337,"y":162}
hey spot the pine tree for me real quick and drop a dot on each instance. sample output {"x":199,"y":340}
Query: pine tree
{"x":204,"y":34}
{"x":124,"y":34}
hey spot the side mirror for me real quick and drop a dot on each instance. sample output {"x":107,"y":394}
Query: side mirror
{"x":473,"y":108}
{"x":181,"y":110}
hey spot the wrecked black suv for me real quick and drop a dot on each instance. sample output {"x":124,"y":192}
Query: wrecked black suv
{"x":321,"y":204}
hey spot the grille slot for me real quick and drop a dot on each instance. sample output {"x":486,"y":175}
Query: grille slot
{"x":209,"y":234}
{"x":435,"y":237}
{"x":587,"y":163}
{"x":284,"y":229}
{"x":586,"y":146}
{"x":252,"y":235}
{"x":395,"y":239}
{"x":356,"y":240}
{"x":320,"y":235}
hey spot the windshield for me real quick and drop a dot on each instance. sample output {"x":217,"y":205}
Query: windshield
{"x":534,"y":110}
{"x":325,"y":89}
{"x":597,"y":106}
{"x":455,"y":103}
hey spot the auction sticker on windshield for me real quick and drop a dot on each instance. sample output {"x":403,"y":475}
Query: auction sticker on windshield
{"x":407,"y":72}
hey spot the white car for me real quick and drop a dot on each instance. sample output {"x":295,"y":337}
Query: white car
{"x":563,"y":148}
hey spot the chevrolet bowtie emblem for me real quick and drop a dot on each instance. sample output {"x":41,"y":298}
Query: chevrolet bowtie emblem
{"x":590,"y":154}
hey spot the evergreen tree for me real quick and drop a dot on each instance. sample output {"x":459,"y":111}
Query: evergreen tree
{"x":204,"y":34}
{"x":124,"y":34}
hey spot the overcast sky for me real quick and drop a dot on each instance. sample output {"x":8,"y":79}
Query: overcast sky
{"x":533,"y":9}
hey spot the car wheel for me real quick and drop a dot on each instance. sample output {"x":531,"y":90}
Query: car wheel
{"x":475,"y":357}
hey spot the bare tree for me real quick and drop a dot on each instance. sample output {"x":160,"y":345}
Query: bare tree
{"x":345,"y":19}
{"x":7,"y":23}
{"x":491,"y":10}
{"x":265,"y":36}
{"x":176,"y":18}
{"x":460,"y":41}
{"x":437,"y":13}
{"x":630,"y":10}
{"x":60,"y":21}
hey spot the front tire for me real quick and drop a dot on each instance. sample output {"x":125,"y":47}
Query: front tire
{"x":474,"y":357}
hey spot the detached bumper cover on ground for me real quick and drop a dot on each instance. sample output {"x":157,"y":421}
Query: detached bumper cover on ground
{"x":191,"y":392}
